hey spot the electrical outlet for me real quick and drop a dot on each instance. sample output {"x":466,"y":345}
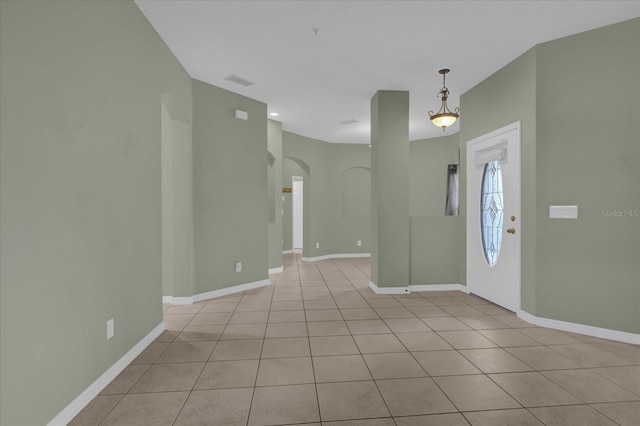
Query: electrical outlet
{"x":359,"y":243}
{"x":317,"y":245}
{"x":110,"y":329}
{"x":238,"y":266}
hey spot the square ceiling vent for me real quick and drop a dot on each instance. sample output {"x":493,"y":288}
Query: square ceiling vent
{"x":239,"y":80}
{"x":350,"y":121}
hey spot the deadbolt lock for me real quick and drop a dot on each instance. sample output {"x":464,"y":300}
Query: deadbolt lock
{"x":513,"y":218}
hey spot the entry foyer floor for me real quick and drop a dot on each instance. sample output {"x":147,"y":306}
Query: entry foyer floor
{"x":320,"y":348}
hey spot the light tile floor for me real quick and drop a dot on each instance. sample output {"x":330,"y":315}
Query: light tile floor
{"x":319,"y":347}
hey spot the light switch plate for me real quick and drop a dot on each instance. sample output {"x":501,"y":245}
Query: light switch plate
{"x":563,"y":212}
{"x":110,"y":329}
{"x":241,"y":115}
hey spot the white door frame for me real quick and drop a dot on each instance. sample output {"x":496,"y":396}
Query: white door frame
{"x":473,"y":251}
{"x":297,"y":182}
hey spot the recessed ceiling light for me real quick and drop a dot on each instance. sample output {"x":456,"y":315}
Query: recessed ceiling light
{"x":274,"y":114}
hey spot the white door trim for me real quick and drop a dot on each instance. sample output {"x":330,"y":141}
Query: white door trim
{"x":297,"y":212}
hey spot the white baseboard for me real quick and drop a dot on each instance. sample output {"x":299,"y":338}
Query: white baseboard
{"x":389,"y":290}
{"x":277,"y":270}
{"x":336,"y":256}
{"x":82,"y":400}
{"x":287,"y":251}
{"x":440,"y":287}
{"x":189,"y":300}
{"x":230,"y":290}
{"x":181,"y":300}
{"x":603,"y":333}
{"x":421,"y":287}
{"x":173,"y":300}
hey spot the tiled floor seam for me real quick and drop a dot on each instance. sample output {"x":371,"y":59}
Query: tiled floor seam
{"x":208,"y":359}
{"x":361,"y":354}
{"x":255,"y":382}
{"x":112,"y":408}
{"x":355,"y":288}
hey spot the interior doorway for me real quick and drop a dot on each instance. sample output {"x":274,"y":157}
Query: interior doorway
{"x":298,"y":211}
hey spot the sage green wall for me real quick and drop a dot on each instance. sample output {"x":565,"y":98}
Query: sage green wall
{"x":588,"y":154}
{"x":182,"y":209}
{"x":342,"y":178}
{"x":166,"y":170}
{"x":428,"y":161}
{"x":505,"y":97}
{"x":336,"y":194}
{"x":351,"y":187}
{"x":435,"y":249}
{"x":80,"y":194}
{"x":390,"y":251}
{"x":435,"y":238}
{"x":177,"y":203}
{"x":274,"y":182}
{"x":230,"y":189}
{"x":585,"y":270}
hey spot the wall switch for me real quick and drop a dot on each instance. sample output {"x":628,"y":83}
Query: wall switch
{"x":359,"y":243}
{"x":238,"y":266}
{"x":110,"y":329}
{"x":317,"y":245}
{"x":241,"y":115}
{"x":563,"y":212}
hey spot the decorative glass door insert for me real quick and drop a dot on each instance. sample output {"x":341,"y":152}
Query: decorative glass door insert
{"x":491,"y":212}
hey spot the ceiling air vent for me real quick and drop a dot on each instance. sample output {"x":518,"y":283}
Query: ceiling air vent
{"x":239,"y":80}
{"x":350,"y":121}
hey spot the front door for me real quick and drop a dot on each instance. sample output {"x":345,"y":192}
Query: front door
{"x":493,"y":216}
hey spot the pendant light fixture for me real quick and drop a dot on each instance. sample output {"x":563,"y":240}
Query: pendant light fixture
{"x":444,"y":117}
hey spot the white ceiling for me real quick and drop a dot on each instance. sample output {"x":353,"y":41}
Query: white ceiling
{"x":315,"y":81}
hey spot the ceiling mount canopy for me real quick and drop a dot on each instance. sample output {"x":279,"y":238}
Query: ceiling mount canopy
{"x":444,"y":117}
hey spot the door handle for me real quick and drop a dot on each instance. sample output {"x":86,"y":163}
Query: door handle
{"x":511,"y":231}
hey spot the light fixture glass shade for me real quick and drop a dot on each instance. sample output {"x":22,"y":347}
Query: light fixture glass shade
{"x":445,"y":119}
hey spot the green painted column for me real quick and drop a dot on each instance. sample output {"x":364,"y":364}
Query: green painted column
{"x":274,"y":191}
{"x":390,"y":189}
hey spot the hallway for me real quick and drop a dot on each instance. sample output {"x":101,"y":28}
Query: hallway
{"x":320,"y":347}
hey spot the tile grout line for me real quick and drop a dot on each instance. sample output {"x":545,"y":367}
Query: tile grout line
{"x":353,"y":289}
{"x":313,"y":372}
{"x":369,"y":369}
{"x":112,"y":408}
{"x":205,"y":363}
{"x":362,"y":357}
{"x":425,"y":370}
{"x":255,"y":382}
